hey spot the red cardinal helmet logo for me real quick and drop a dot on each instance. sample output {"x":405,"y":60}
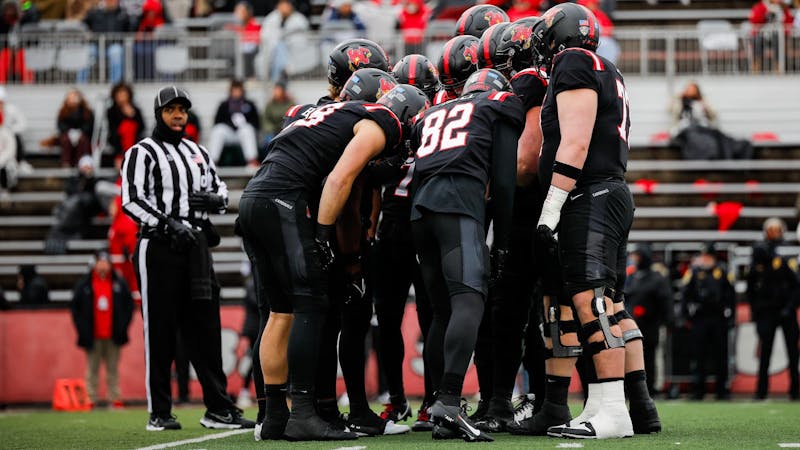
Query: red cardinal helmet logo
{"x":386,"y":86}
{"x":493,"y":17}
{"x":522,"y":34}
{"x":471,"y":53}
{"x":357,"y":57}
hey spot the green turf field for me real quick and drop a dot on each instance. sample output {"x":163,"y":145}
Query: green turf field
{"x":730,"y":425}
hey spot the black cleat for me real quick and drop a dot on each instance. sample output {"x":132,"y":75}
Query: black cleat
{"x":452,"y":417}
{"x":524,"y":407}
{"x":313,"y":428}
{"x":550,"y":415}
{"x":644,"y":417}
{"x":500,"y":413}
{"x":396,"y":413}
{"x":367,"y":424}
{"x":162,"y":422}
{"x":442,"y":433}
{"x":273,"y":426}
{"x":226,"y":420}
{"x":480,"y":411}
{"x":423,"y":422}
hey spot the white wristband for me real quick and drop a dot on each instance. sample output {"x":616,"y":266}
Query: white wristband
{"x":551,"y":210}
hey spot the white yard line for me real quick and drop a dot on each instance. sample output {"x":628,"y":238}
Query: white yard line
{"x":789,"y":445}
{"x":197,"y":440}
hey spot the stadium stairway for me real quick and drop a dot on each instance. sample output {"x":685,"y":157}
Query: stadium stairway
{"x":677,"y":201}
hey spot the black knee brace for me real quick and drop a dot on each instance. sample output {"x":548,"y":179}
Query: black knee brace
{"x":630,"y":335}
{"x":602,"y":323}
{"x":554,"y":328}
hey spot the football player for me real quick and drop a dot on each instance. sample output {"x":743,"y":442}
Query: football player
{"x":463,"y":147}
{"x":458,"y":61}
{"x":585,"y":122}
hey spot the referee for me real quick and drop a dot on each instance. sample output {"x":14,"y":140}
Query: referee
{"x":169,"y":186}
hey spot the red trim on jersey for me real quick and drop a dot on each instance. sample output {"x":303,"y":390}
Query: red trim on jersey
{"x":499,"y":96}
{"x":487,"y":55}
{"x":412,"y":69}
{"x":598,"y":63}
{"x":533,"y":72}
{"x":293,"y":110}
{"x":372,"y":107}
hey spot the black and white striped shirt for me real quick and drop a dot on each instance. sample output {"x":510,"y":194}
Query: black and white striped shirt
{"x":158,"y":177}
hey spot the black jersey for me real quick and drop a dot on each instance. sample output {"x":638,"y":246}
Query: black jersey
{"x":306,"y":151}
{"x":530,"y":85}
{"x":454,"y":145}
{"x":576,"y":68}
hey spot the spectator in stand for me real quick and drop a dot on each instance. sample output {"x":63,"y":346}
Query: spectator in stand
{"x":51,"y":9}
{"x":768,"y":18}
{"x":14,"y":120}
{"x":122,"y":244}
{"x":411,"y":22}
{"x":282,"y":28}
{"x":523,"y":8}
{"x":12,"y":59}
{"x":178,"y":9}
{"x":109,"y":17}
{"x":125,"y":121}
{"x":8,"y":161}
{"x":32,"y":287}
{"x":707,"y":307}
{"x":75,"y":128}
{"x":236,"y":122}
{"x":102,"y":308}
{"x":249,"y":35}
{"x":192,"y":130}
{"x":608,"y":46}
{"x":144,"y":48}
{"x":648,"y":298}
{"x":280,"y":102}
{"x":694,"y":129}
{"x":342,"y":10}
{"x":772,"y":289}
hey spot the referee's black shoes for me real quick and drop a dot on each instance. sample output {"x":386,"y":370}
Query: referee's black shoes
{"x":226,"y":420}
{"x":161,"y":422}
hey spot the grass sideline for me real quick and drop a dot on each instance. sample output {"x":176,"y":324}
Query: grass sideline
{"x":737,"y":424}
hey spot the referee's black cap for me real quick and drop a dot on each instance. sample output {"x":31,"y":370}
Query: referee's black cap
{"x":170,"y":94}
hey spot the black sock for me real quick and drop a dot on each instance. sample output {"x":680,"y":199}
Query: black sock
{"x":328,"y":409}
{"x":398,"y":400}
{"x":636,"y":386}
{"x":303,"y":405}
{"x":355,"y":325}
{"x":262,"y":409}
{"x":449,"y":399}
{"x":276,"y":400}
{"x":557,"y":389}
{"x":451,"y":384}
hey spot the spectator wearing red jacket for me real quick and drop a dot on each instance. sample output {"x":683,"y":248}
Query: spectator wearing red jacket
{"x":249,"y":30}
{"x":766,"y":18}
{"x":411,"y":22}
{"x":122,"y":244}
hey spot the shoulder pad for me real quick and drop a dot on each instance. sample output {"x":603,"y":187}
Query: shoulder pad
{"x":578,"y":57}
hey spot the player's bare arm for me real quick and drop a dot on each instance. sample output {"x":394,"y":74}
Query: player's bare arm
{"x":577,"y":110}
{"x":529,"y":147}
{"x":368,"y":141}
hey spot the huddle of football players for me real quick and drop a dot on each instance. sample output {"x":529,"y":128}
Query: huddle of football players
{"x":393,"y":179}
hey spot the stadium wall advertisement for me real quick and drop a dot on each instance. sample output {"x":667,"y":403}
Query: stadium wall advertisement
{"x":37,"y":347}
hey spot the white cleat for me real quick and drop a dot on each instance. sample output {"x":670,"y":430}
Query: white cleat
{"x":395,"y":428}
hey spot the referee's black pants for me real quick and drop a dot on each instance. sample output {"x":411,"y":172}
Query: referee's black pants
{"x":164,"y":280}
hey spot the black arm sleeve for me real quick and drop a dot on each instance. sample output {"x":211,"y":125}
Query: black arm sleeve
{"x":503,"y":180}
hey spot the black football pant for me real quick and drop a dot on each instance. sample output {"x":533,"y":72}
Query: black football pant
{"x":454,"y":262}
{"x":395,"y":268}
{"x":766,"y":325}
{"x":164,"y":281}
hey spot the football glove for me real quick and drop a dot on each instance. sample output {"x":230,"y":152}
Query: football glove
{"x":325,"y":234}
{"x":206,"y":201}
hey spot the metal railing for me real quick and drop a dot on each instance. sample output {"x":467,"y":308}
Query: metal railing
{"x":177,"y":55}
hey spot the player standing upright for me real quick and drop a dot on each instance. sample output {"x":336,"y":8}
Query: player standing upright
{"x":585,"y":122}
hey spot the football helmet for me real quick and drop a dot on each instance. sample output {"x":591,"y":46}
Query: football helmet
{"x":488,"y":58}
{"x":418,"y":70}
{"x":516,"y":46}
{"x":368,"y":85}
{"x":354,"y":54}
{"x":564,"y":26}
{"x":405,"y":101}
{"x":474,"y":21}
{"x":486,"y":80}
{"x":459,"y":59}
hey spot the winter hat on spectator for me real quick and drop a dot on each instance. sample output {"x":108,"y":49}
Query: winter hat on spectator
{"x":86,"y":161}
